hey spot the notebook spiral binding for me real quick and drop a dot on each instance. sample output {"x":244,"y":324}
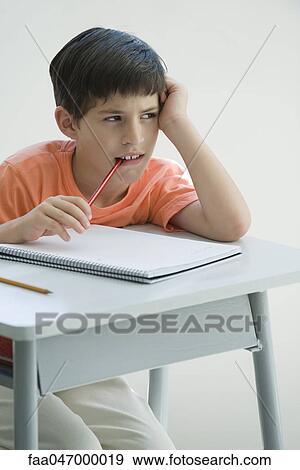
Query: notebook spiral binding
{"x":73,"y":264}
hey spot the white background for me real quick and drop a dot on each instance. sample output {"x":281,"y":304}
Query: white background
{"x":208,"y":45}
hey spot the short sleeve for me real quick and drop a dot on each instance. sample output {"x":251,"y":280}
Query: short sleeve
{"x":173,"y":192}
{"x":15,"y":200}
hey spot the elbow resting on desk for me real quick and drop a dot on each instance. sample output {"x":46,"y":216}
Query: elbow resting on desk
{"x":240,"y":231}
{"x":192,"y":219}
{"x":233,"y":234}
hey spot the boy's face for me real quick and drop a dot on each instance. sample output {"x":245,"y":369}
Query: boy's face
{"x":119,"y":127}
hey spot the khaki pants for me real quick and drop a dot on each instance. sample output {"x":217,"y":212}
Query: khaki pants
{"x":104,"y":415}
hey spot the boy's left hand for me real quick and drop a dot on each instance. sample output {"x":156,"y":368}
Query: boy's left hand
{"x":174,"y":102}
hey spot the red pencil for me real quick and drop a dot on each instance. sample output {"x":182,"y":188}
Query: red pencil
{"x":104,"y":182}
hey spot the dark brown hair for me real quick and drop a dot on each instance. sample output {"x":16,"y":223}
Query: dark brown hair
{"x":99,"y":62}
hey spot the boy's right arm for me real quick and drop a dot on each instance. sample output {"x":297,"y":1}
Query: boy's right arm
{"x":51,"y":217}
{"x":8,"y":232}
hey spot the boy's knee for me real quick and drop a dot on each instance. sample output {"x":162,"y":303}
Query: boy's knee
{"x":150,"y":433}
{"x":156,"y":440}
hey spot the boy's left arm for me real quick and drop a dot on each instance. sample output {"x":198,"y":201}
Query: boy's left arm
{"x":221,"y":212}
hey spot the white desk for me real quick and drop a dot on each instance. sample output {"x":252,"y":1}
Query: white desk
{"x":53,"y":361}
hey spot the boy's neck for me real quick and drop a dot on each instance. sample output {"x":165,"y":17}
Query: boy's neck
{"x":87,"y":184}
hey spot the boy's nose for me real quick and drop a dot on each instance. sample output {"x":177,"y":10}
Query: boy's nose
{"x":133,"y":135}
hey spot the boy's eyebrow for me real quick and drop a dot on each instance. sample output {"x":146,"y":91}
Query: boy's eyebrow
{"x":114,"y":111}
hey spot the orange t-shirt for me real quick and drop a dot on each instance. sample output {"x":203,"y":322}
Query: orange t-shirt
{"x":42,"y":170}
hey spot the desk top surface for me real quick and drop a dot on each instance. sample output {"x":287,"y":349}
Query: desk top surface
{"x":263,"y":265}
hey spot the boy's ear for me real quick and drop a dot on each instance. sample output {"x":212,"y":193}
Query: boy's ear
{"x":160,"y":104}
{"x":161,"y":99}
{"x":65,"y":122}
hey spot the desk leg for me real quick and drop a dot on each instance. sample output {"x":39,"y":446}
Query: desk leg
{"x":265,"y":374}
{"x":158,"y":393}
{"x":25,"y":395}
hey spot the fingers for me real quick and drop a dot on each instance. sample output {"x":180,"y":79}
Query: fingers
{"x":72,"y":215}
{"x":65,"y":219}
{"x":80,"y":202}
{"x":60,"y":214}
{"x":54,"y":228}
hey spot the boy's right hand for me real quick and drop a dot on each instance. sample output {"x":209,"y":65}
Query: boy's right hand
{"x":52,"y":217}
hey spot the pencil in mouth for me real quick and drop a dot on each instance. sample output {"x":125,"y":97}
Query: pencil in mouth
{"x":130,"y":158}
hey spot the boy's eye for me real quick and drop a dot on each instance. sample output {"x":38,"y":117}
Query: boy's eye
{"x":152,"y":115}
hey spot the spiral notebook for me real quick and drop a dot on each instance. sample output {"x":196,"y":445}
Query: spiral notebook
{"x":119,"y":253}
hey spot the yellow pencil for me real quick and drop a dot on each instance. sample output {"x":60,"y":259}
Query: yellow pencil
{"x":25,"y":286}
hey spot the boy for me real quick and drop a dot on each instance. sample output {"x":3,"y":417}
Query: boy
{"x":112,"y":97}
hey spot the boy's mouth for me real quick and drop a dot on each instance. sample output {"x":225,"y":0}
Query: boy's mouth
{"x":130,"y":159}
